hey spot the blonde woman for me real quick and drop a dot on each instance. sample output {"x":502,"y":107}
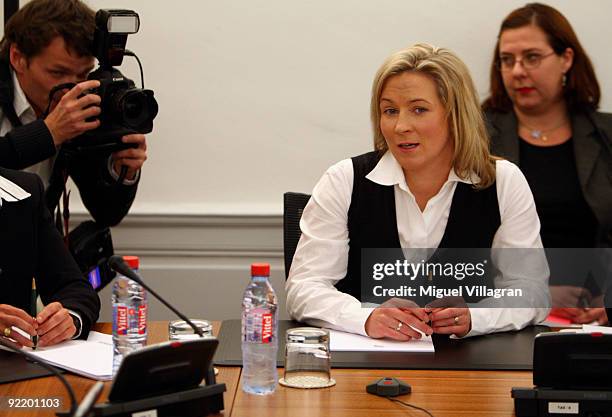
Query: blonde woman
{"x":429,"y":183}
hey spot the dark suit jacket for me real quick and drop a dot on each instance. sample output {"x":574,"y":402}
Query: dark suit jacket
{"x":30,"y":246}
{"x":107,"y":201}
{"x":592,"y":138}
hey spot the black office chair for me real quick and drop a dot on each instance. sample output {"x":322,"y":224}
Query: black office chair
{"x":293,"y":207}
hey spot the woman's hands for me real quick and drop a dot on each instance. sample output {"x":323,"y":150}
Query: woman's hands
{"x":404,"y":320}
{"x":397,"y":319}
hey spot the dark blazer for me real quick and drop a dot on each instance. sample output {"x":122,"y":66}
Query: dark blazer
{"x":30,"y":246}
{"x":107,"y":201}
{"x":592,"y":138}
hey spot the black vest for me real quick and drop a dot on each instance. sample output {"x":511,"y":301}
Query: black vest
{"x":473,"y":220}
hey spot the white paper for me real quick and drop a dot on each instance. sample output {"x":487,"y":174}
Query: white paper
{"x":349,"y":342}
{"x":588,"y":328}
{"x":92,"y":358}
{"x":554,"y":324}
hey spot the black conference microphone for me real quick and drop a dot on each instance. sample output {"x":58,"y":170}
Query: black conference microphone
{"x":49,"y":368}
{"x":117,"y":264}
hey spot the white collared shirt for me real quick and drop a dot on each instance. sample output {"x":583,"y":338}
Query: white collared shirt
{"x":321,"y":257}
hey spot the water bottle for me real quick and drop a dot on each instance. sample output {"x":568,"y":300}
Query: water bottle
{"x":259,"y":333}
{"x":129,"y":314}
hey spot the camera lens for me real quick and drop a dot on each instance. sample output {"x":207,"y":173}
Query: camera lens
{"x":133,"y":107}
{"x":136,"y":108}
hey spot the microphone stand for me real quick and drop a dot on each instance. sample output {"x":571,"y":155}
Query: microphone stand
{"x":210,"y":397}
{"x":89,"y":400}
{"x":117,"y":264}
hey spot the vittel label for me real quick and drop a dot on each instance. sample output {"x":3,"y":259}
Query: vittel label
{"x":142,"y":319}
{"x":122,"y":320}
{"x":258,"y":326}
{"x":267,"y":329}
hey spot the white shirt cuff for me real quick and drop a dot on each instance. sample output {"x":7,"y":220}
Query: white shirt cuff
{"x":354,"y":321}
{"x":115,"y":175}
{"x":78,"y":317}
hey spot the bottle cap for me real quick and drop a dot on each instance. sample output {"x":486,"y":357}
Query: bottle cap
{"x":260,"y":270}
{"x":132,"y":261}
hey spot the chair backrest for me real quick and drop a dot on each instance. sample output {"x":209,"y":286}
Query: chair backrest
{"x":293,"y":207}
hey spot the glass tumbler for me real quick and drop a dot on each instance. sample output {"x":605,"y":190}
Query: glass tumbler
{"x":307,"y":358}
{"x":180,"y":330}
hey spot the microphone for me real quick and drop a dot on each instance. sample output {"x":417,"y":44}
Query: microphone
{"x":117,"y":264}
{"x":48,"y":367}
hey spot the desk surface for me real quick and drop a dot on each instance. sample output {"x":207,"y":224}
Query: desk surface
{"x":444,"y":393}
{"x":505,"y":351}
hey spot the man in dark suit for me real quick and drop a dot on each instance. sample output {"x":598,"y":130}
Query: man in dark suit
{"x":31,"y":246}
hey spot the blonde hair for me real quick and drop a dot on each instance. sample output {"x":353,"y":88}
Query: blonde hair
{"x":457,"y":93}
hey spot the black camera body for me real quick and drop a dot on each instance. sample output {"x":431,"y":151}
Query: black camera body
{"x":125,"y":109}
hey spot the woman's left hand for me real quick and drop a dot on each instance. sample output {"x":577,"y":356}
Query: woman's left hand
{"x":450,"y":320}
{"x":590,"y":315}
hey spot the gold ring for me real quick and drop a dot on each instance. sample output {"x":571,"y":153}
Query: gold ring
{"x":399,"y":326}
{"x":456,"y":320}
{"x":7,"y":332}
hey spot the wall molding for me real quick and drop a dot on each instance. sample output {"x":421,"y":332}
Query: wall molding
{"x":200,"y":262}
{"x":206,"y":236}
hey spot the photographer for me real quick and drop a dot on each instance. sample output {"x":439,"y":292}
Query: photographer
{"x":48,"y":43}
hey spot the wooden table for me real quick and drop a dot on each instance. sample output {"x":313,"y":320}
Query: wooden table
{"x":443,"y":393}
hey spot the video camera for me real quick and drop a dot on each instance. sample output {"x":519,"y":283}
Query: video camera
{"x":125,"y":109}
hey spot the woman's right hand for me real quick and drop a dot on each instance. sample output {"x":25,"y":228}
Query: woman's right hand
{"x":15,"y":317}
{"x":569,"y":301}
{"x":397,"y":319}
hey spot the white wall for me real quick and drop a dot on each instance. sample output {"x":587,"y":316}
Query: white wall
{"x":260,"y":96}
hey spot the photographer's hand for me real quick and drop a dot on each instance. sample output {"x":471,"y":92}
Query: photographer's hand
{"x":67,"y":119}
{"x":132,"y":158}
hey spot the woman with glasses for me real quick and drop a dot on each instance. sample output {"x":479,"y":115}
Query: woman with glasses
{"x":542,"y":116}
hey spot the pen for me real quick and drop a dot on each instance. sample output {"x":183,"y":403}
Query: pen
{"x":34,"y":296}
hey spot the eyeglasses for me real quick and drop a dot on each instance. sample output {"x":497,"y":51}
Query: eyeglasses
{"x":529,"y":61}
